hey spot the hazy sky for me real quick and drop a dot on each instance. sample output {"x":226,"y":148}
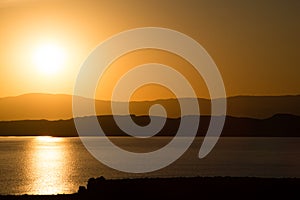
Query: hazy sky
{"x":254,"y":43}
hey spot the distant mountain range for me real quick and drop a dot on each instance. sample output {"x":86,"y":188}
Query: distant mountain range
{"x":280,"y":125}
{"x":246,"y":116}
{"x":55,"y":107}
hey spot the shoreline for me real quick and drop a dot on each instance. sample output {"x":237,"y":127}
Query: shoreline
{"x":179,"y":188}
{"x":279,"y":125}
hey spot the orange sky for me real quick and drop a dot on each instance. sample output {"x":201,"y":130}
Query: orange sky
{"x":254,"y":43}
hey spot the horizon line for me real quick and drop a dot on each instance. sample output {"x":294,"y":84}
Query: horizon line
{"x":146,"y":100}
{"x":171,"y":118}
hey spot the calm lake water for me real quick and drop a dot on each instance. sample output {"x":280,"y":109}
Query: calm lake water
{"x":46,"y":165}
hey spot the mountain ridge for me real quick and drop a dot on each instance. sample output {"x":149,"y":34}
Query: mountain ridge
{"x":279,"y":125}
{"x":35,"y":106}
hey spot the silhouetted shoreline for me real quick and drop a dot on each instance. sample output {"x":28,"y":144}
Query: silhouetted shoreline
{"x":181,"y":188}
{"x":279,"y":125}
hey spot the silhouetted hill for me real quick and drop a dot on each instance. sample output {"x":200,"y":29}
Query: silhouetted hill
{"x":280,"y":125}
{"x":192,"y":188}
{"x":179,"y":188}
{"x":36,"y":106}
{"x":263,"y":106}
{"x":59,"y":106}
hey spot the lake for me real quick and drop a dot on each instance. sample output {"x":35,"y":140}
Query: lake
{"x":50,"y":165}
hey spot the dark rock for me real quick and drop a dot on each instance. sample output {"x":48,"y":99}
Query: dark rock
{"x":82,"y":190}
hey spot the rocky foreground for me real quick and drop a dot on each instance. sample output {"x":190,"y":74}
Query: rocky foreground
{"x":181,"y":188}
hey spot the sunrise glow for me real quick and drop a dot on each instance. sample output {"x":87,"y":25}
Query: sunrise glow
{"x":49,"y":58}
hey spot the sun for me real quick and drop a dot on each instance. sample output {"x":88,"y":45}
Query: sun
{"x":49,"y":58}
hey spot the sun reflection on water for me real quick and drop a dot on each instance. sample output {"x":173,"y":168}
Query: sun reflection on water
{"x":48,"y":139}
{"x":48,"y":165}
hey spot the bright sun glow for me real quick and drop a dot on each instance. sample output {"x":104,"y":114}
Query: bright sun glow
{"x":48,"y":139}
{"x":49,"y":58}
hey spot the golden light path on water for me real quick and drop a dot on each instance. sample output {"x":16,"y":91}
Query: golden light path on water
{"x":48,"y":165}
